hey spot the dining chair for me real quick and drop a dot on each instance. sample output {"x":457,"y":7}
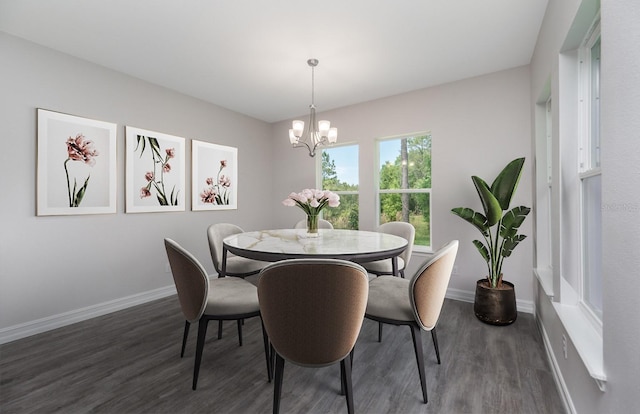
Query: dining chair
{"x":396,"y":228}
{"x":415,"y":302}
{"x":322,"y":224}
{"x":313,"y":310}
{"x":203,"y":299}
{"x":236,"y":266}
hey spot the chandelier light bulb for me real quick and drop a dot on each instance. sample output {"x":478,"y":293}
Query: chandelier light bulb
{"x":323,"y":127}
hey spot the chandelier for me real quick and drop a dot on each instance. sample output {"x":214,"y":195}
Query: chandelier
{"x":317,"y":135}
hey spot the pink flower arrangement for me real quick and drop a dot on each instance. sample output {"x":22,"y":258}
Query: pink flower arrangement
{"x":312,"y":201}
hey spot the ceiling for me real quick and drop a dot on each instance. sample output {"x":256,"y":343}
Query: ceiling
{"x":250,"y":55}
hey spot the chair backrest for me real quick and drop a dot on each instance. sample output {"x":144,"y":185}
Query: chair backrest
{"x":190,"y":278}
{"x":404,"y":230}
{"x":313,"y":309}
{"x":322,"y":224}
{"x":216,"y":233}
{"x":428,"y":286}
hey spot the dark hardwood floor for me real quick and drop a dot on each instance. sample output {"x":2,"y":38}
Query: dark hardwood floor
{"x":129,"y":362}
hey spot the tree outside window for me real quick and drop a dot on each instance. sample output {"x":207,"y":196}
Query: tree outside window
{"x":340,"y":174}
{"x":405,"y":183}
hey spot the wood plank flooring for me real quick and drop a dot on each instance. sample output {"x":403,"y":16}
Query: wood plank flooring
{"x":129,"y":362}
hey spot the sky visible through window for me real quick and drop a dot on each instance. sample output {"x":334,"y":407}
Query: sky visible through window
{"x":344,"y":156}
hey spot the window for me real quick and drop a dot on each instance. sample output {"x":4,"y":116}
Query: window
{"x":590,"y":174}
{"x":339,"y":172}
{"x":404,"y":183}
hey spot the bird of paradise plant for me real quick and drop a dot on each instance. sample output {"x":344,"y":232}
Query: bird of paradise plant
{"x":500,"y":231}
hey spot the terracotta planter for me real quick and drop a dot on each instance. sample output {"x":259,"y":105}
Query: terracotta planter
{"x":495,"y":306}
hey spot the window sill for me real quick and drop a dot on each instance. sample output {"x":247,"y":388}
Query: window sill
{"x":545,"y":277}
{"x":584,"y":336}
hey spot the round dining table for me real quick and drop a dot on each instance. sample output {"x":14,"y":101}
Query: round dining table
{"x":282,"y":244}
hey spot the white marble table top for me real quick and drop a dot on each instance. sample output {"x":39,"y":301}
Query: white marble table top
{"x":355,"y":245}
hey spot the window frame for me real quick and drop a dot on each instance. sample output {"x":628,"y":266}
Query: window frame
{"x":410,"y":191}
{"x":586,"y":169}
{"x":319,"y":177}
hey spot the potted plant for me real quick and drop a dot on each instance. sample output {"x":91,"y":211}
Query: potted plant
{"x":495,"y":301}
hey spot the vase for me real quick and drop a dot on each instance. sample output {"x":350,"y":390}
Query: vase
{"x":312,"y":225}
{"x":495,"y":306}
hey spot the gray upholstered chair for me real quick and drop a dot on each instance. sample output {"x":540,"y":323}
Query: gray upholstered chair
{"x":202,"y":300}
{"x":414,"y":302}
{"x":313,"y":310}
{"x":397,"y":228}
{"x":322,"y":224}
{"x":236,"y":265}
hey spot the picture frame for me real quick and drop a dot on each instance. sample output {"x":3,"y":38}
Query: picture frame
{"x":76,"y":165}
{"x":155,"y":171}
{"x":214,"y":176}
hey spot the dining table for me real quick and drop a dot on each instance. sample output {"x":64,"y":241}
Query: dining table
{"x":281,"y":244}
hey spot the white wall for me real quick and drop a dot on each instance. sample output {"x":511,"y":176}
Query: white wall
{"x":55,"y":265}
{"x":620,"y":123}
{"x":478,"y":125}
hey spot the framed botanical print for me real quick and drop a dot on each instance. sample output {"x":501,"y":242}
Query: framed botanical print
{"x":155,"y":173}
{"x":214,"y":176}
{"x":76,"y":167}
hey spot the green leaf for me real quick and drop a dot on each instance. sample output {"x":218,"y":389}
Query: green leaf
{"x":174,"y":196}
{"x":482,"y":249}
{"x":510,"y":244}
{"x":476,"y":219}
{"x":75,"y":185}
{"x":492,"y":209}
{"x":505,"y":184}
{"x":155,"y":146}
{"x":512,"y":220}
{"x":140,"y":139}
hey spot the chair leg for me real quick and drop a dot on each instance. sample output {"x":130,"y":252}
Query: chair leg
{"x":220,"y":329}
{"x":277,"y":386}
{"x":345,"y":370}
{"x":202,"y":333}
{"x":240,"y":331}
{"x":267,"y":353}
{"x":184,"y":337}
{"x":417,"y":347}
{"x":434,"y":337}
{"x":350,"y":356}
{"x":379,"y":331}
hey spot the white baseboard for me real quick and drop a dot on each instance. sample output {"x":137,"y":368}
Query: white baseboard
{"x":525,"y":306}
{"x":557,"y":373}
{"x":48,"y":323}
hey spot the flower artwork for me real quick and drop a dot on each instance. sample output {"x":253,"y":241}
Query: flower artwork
{"x":79,"y":149}
{"x":312,"y":201}
{"x":76,"y":165}
{"x":156,"y":177}
{"x":218,"y":191}
{"x":214,"y":176}
{"x":155,"y":171}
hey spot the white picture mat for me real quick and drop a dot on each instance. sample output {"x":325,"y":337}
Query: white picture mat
{"x":138,"y":165}
{"x":54,"y":129}
{"x":206,"y":161}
